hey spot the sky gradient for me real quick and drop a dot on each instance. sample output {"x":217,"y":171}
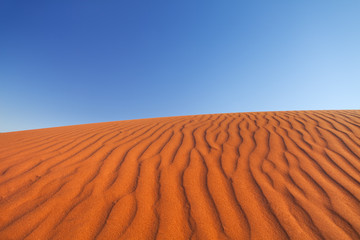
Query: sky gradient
{"x":73,"y":62}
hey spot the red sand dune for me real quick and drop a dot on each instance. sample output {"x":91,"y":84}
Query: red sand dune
{"x":268,"y":175}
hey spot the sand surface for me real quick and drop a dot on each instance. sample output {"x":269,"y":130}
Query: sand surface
{"x":269,"y":175}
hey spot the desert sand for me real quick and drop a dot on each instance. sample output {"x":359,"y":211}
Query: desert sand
{"x":264,"y":175}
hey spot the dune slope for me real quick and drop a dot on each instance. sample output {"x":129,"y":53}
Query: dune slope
{"x":268,"y":175}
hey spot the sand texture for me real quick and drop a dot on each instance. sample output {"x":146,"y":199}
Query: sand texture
{"x":266,"y":175}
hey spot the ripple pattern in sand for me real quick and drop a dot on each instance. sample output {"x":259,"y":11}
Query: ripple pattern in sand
{"x":266,"y":175}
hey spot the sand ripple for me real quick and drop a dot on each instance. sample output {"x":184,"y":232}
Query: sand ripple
{"x":268,"y":175}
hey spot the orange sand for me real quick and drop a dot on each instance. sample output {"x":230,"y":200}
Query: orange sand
{"x":269,"y":175}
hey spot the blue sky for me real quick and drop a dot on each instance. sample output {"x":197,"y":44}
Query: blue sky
{"x":73,"y":62}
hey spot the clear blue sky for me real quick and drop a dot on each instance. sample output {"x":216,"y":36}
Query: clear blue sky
{"x":71,"y":62}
